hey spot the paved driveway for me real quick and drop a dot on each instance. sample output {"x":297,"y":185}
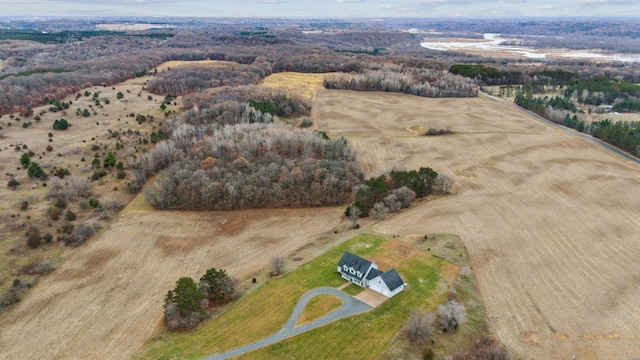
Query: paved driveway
{"x":350,"y":306}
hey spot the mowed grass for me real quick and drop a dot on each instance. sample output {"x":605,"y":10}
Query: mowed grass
{"x":318,"y":307}
{"x":353,"y":289}
{"x":264,"y":311}
{"x":304,"y":85}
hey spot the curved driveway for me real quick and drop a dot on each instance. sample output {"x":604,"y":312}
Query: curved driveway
{"x":569,"y":130}
{"x":350,"y":306}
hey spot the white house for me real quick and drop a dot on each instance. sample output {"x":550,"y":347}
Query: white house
{"x":365,"y":273}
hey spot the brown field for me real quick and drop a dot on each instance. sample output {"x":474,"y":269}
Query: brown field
{"x":549,"y":219}
{"x":105,"y":300}
{"x":305,"y":85}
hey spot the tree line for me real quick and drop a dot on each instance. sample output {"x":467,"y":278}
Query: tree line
{"x":397,"y":78}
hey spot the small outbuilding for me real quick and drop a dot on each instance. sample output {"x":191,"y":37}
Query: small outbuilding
{"x":365,"y":273}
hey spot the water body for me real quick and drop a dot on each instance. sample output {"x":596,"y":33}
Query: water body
{"x":492,"y":43}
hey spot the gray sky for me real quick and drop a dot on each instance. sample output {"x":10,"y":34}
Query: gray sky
{"x":326,"y":8}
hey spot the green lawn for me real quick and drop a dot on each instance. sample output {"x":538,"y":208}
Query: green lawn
{"x":264,"y":311}
{"x":353,"y":289}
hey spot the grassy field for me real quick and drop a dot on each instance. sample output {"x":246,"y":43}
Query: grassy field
{"x":318,"y":307}
{"x":264,"y":311}
{"x":167,"y":65}
{"x":549,"y":219}
{"x":304,"y":85}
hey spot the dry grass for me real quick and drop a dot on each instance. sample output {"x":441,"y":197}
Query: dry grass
{"x":549,"y":220}
{"x":199,"y":63}
{"x":318,"y":307}
{"x":105,"y":300}
{"x":304,"y":85}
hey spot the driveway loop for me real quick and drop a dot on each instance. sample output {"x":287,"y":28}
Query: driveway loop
{"x":351,"y":306}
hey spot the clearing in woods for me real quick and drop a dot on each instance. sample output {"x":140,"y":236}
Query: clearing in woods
{"x":167,"y":65}
{"x":305,"y":85}
{"x":549,"y":219}
{"x":105,"y":300}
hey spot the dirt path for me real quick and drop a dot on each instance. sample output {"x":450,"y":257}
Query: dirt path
{"x":549,"y":219}
{"x":105,"y":301}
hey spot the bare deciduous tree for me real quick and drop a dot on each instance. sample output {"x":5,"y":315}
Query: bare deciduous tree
{"x":451,"y":315}
{"x":278,"y":264}
{"x":419,"y":326}
{"x":443,"y":184}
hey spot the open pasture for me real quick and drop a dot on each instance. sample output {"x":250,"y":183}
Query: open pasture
{"x":549,"y":219}
{"x":105,"y":300}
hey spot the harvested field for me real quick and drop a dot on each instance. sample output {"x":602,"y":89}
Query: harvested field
{"x":549,"y":219}
{"x":305,"y":85}
{"x":105,"y":300}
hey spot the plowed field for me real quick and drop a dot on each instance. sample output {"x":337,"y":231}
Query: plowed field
{"x":550,"y":220}
{"x":105,"y":300}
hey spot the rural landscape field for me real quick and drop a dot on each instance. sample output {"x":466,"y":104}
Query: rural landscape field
{"x":533,"y":204}
{"x":179,"y":188}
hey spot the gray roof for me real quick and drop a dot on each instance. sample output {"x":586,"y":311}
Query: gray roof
{"x":373,"y":273}
{"x":356,"y":262}
{"x":392,"y":279}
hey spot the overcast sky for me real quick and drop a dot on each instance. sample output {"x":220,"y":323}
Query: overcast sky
{"x":326,"y":8}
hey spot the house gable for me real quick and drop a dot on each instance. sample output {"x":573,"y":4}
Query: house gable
{"x":354,"y":266}
{"x":365,"y":273}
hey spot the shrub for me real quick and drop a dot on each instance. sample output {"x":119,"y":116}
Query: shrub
{"x":485,"y":348}
{"x":110,"y":160}
{"x":98,"y":174}
{"x":61,"y":124}
{"x":25,"y":160}
{"x":94,"y":203}
{"x":55,"y":213}
{"x":35,"y":171}
{"x":61,"y":203}
{"x":13,"y":183}
{"x":69,"y":215}
{"x":451,"y":315}
{"x":83,"y":232}
{"x":61,"y":173}
{"x":34,"y":240}
{"x":122,"y":174}
{"x":419,"y":326}
{"x":38,"y":268}
{"x":306,"y":122}
{"x":67,"y":228}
